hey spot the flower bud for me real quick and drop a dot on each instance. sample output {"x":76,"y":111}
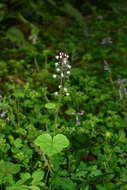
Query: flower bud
{"x":56,"y":93}
{"x":57,"y":69}
{"x":62,"y":75}
{"x":68,"y":72}
{"x":65,"y":89}
{"x":54,"y":75}
{"x":57,"y":57}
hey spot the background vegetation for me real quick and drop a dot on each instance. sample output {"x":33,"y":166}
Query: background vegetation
{"x":75,"y":140}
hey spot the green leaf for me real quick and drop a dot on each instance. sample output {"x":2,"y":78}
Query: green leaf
{"x":37,"y":176}
{"x":122,"y":136}
{"x":2,"y":14}
{"x":24,"y":178}
{"x":22,"y":187}
{"x":35,"y":29}
{"x":60,"y":142}
{"x":10,"y":180}
{"x":15,"y":35}
{"x":18,"y":143}
{"x":33,"y":187}
{"x":72,"y":12}
{"x":19,"y":93}
{"x":1,"y":178}
{"x":51,"y":146}
{"x":94,"y":171}
{"x":70,"y":111}
{"x":63,"y":183}
{"x":50,"y":106}
{"x":9,"y":167}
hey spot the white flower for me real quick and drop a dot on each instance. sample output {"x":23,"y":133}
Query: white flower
{"x":67,"y":94}
{"x":65,"y":89}
{"x":7,"y":118}
{"x":3,"y":114}
{"x":56,"y":64}
{"x":54,"y":76}
{"x":57,"y":57}
{"x":60,"y":86}
{"x":56,"y":93}
{"x":62,"y":75}
{"x":68,"y":72}
{"x":33,"y":38}
{"x":57,"y":69}
{"x":69,"y":66}
{"x":65,"y":60}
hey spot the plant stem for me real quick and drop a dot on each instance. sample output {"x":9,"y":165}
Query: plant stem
{"x":111,"y":80}
{"x":58,"y":108}
{"x":47,"y":163}
{"x":36,"y":64}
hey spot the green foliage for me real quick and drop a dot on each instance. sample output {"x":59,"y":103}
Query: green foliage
{"x":8,"y":168}
{"x":37,"y":177}
{"x":52,"y":146}
{"x":73,"y":12}
{"x":15,"y":35}
{"x":42,"y":146}
{"x":50,"y":106}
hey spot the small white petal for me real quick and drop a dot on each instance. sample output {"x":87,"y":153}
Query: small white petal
{"x":60,"y":86}
{"x":64,"y":60}
{"x":57,"y":57}
{"x":67,"y":94}
{"x":68,"y":72}
{"x":65,"y":89}
{"x":57,"y":69}
{"x":69,"y":66}
{"x":54,"y":76}
{"x":56,"y":64}
{"x":56,"y":93}
{"x":62,"y":75}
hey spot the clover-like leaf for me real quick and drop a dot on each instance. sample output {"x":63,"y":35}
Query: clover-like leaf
{"x":59,"y":143}
{"x":37,"y":176}
{"x":9,"y":168}
{"x":51,"y":146}
{"x":50,"y":105}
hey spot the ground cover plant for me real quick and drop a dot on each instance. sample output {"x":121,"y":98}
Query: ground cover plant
{"x":63,"y":95}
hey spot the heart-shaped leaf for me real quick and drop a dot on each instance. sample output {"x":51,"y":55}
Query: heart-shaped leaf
{"x":51,"y":146}
{"x":50,"y":105}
